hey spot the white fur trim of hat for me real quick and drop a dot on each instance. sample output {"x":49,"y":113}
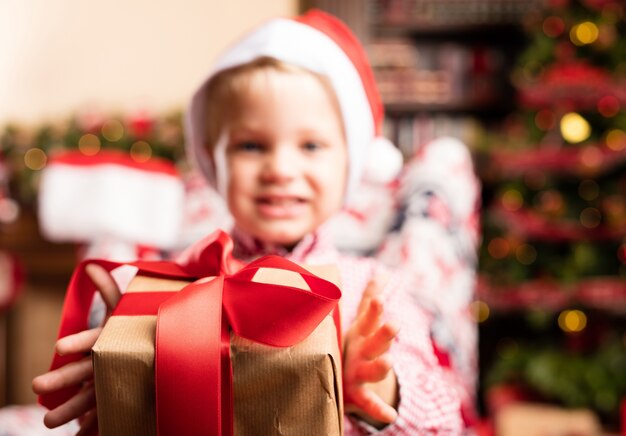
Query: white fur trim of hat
{"x":319,"y":43}
{"x":111,"y":196}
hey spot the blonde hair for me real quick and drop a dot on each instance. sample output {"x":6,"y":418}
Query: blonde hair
{"x":227,"y":90}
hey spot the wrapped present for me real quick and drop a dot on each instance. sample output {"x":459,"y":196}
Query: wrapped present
{"x":268,"y":325}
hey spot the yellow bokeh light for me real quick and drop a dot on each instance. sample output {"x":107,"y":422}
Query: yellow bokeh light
{"x":113,"y":130}
{"x":584,"y":33}
{"x":574,"y":128}
{"x":512,"y":200}
{"x":89,"y":144}
{"x":572,"y":321}
{"x":141,"y":151}
{"x":616,"y":140}
{"x":35,"y":159}
{"x":479,"y":310}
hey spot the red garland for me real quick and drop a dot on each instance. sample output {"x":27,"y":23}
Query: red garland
{"x":533,"y":225}
{"x":604,"y":293}
{"x":573,"y":84}
{"x":556,"y":158}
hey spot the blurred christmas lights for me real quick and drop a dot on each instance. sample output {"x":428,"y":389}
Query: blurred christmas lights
{"x":526,"y":254}
{"x":89,"y":144}
{"x":572,"y":321}
{"x":512,"y":200}
{"x":35,"y":159}
{"x":574,"y":128}
{"x":588,"y":189}
{"x":616,"y":140}
{"x":112,"y":130}
{"x":590,"y":217}
{"x":480,"y":311}
{"x":584,"y":33}
{"x":140,"y":151}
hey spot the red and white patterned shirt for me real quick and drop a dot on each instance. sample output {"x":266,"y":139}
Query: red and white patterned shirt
{"x":428,"y":403}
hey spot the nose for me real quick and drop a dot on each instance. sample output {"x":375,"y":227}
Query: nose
{"x":280,"y":166}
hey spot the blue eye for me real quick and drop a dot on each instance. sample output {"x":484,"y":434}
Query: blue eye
{"x":311,"y":146}
{"x":249,"y":146}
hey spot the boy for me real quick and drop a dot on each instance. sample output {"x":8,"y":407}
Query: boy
{"x":281,"y":128}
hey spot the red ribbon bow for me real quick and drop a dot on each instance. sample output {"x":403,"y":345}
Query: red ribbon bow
{"x":193,"y":375}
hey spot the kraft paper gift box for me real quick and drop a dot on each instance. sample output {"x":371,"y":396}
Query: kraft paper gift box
{"x":276,"y":391}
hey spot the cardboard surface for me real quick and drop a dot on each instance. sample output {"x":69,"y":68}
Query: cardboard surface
{"x":277,"y":391}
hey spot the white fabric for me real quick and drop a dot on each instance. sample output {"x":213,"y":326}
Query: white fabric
{"x":110,"y":201}
{"x":301,"y":45}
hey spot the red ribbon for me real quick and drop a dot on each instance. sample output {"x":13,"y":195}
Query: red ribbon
{"x":192,"y":360}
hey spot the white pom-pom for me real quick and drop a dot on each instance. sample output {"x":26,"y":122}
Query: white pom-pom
{"x":383,"y":162}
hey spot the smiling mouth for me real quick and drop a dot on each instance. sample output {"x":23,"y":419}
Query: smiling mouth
{"x":280,"y":201}
{"x":280,"y":207}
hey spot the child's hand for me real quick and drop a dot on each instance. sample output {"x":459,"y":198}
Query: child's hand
{"x":370,"y":385}
{"x":80,"y":373}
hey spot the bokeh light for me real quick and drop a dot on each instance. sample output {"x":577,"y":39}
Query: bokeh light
{"x":616,"y":140}
{"x":590,"y":217}
{"x":480,"y":311}
{"x":584,"y":33}
{"x":512,"y":200}
{"x":574,"y":128}
{"x":551,"y":201}
{"x":608,"y":106}
{"x":140,"y":151}
{"x":591,"y":157}
{"x":526,"y":254}
{"x":89,"y":144}
{"x":499,"y":248}
{"x":535,"y":179}
{"x":553,"y":26}
{"x":572,"y":321}
{"x":35,"y":159}
{"x":588,"y":189}
{"x":112,"y":130}
{"x":9,"y":210}
{"x":545,"y":119}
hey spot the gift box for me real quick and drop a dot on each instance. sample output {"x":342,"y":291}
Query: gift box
{"x":294,"y":390}
{"x":164,"y":361}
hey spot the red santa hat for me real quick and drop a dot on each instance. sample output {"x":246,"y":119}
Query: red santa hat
{"x":320,"y":43}
{"x":110,"y":196}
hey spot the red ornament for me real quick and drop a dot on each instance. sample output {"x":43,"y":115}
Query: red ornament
{"x":608,"y":106}
{"x":140,"y":125}
{"x":553,"y":26}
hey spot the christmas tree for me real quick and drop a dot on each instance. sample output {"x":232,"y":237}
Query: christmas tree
{"x":553,"y":261}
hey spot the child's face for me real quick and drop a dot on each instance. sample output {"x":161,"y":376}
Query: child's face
{"x":286,"y":158}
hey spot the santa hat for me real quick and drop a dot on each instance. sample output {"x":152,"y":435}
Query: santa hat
{"x":110,"y":196}
{"x":320,"y":43}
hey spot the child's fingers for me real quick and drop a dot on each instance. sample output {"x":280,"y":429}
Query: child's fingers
{"x":374,"y":370}
{"x":68,"y":375}
{"x":372,"y":405}
{"x":368,"y":320}
{"x":105,"y":284}
{"x":89,"y":424}
{"x":73,"y":408}
{"x":374,"y":287}
{"x":78,"y":343}
{"x":379,"y":342}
